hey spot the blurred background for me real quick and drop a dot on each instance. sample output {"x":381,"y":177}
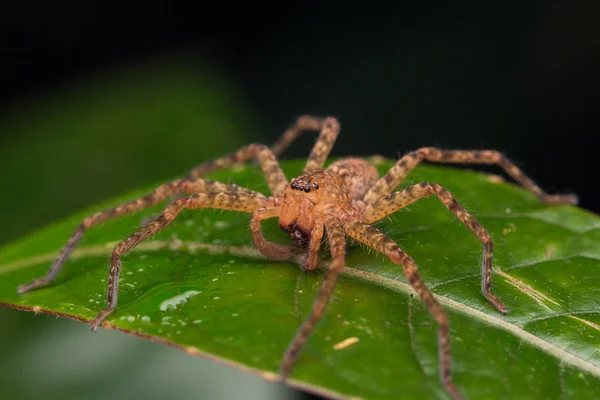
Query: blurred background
{"x":97,"y":98}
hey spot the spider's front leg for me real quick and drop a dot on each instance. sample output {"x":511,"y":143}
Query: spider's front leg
{"x":337,"y":241}
{"x":372,"y":237}
{"x":402,"y":198}
{"x":160,"y":194}
{"x":225,"y":200}
{"x":403,"y":166}
{"x":268,"y":162}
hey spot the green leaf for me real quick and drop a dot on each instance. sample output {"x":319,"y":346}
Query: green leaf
{"x":199,"y":285}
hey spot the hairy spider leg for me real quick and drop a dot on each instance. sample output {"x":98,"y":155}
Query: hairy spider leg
{"x":329,"y":133}
{"x":404,"y":165}
{"x":267,"y":160}
{"x":403,"y":198}
{"x":160,"y":194}
{"x":220,"y":200}
{"x":337,"y":241}
{"x":372,"y":237}
{"x":303,"y":123}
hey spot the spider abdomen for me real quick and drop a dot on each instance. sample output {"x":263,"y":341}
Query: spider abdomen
{"x":358,"y":175}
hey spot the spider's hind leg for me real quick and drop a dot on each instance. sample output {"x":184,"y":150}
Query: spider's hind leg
{"x":403,"y":198}
{"x":400,"y":170}
{"x":329,"y":132}
{"x":372,"y":237}
{"x":303,"y":123}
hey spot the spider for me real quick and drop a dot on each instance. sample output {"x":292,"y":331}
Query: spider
{"x":342,"y":200}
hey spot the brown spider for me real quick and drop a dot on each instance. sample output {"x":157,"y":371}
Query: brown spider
{"x":342,"y":200}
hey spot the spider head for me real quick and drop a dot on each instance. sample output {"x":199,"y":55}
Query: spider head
{"x":302,"y":201}
{"x":296,"y":216}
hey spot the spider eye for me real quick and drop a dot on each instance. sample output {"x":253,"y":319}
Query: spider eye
{"x":315,"y":186}
{"x":306,"y":189}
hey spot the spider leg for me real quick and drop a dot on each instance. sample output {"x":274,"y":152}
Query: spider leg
{"x":372,"y":237}
{"x":398,"y":172}
{"x":267,"y":160}
{"x":303,"y":123}
{"x":268,"y":249}
{"x":329,"y":133}
{"x":402,"y":198}
{"x":223,"y":200}
{"x":337,"y":239}
{"x":160,"y":194}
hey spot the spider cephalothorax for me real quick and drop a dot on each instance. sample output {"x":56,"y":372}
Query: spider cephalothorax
{"x":297,"y":210}
{"x":305,"y":201}
{"x":341,"y":201}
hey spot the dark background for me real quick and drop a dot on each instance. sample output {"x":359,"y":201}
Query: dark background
{"x":520,"y":77}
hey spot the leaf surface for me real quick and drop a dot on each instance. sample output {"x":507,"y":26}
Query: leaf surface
{"x":200,"y":285}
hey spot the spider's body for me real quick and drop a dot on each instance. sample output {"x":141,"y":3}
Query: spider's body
{"x":342,"y":201}
{"x":318,"y":193}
